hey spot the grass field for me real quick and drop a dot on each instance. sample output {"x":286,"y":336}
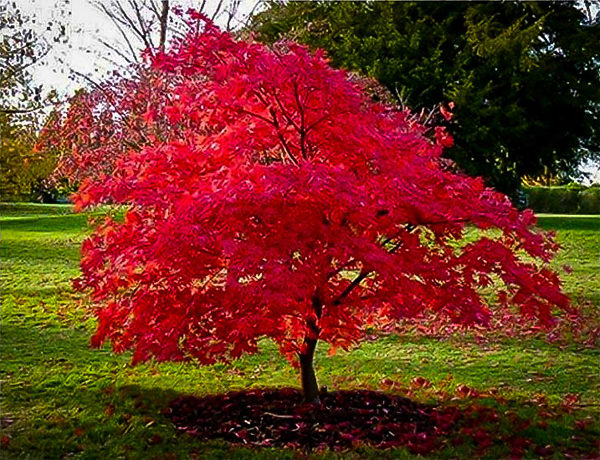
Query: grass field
{"x":62,"y":399}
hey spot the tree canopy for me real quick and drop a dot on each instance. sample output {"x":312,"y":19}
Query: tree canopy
{"x":268,"y":195}
{"x":525,"y":76}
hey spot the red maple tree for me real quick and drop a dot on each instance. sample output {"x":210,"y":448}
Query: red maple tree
{"x":269,"y":196}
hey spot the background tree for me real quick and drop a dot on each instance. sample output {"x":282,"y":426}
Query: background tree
{"x":22,"y":48}
{"x":24,"y":169}
{"x":21,"y":102}
{"x":132,"y":91}
{"x":114,"y":114}
{"x":525,"y":76}
{"x":285,"y":203}
{"x":151,"y":24}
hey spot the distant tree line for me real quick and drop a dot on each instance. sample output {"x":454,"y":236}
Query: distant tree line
{"x":22,"y":168}
{"x":524,"y":77}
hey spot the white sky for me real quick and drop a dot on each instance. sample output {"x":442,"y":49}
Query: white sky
{"x":85,"y":24}
{"x":82,"y":50}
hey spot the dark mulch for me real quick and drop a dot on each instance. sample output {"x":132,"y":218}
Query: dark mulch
{"x":344,"y":419}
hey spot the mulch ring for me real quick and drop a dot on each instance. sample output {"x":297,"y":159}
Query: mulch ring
{"x":344,"y":419}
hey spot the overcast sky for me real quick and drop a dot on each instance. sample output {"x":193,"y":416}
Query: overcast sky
{"x":82,"y":50}
{"x":85,"y":24}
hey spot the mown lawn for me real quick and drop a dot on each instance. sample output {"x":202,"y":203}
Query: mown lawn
{"x":62,"y":399}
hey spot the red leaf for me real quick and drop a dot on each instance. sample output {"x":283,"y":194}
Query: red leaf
{"x":268,"y":195}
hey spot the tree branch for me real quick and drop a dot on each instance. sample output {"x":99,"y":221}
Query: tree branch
{"x":302,"y":130}
{"x":119,"y":25}
{"x":355,"y":282}
{"x":164,"y":21}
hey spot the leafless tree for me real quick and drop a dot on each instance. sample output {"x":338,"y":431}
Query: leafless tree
{"x":150,"y":24}
{"x":591,"y":8}
{"x":22,"y":46}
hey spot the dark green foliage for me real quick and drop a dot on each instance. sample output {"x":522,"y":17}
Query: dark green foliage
{"x":590,"y":201}
{"x":564,"y":199}
{"x":525,"y":76}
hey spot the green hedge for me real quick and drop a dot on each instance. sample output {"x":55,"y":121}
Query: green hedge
{"x":566,"y":199}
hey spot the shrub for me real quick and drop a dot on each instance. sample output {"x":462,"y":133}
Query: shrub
{"x":569,"y":199}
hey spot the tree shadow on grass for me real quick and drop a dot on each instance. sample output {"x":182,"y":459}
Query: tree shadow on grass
{"x":114,"y":421}
{"x":61,"y":398}
{"x":66,"y":399}
{"x":346,"y":420}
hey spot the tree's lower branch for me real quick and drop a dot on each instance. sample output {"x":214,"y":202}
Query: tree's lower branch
{"x":361,"y":276}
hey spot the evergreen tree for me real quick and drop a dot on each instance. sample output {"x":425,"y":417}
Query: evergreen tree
{"x":525,"y":77}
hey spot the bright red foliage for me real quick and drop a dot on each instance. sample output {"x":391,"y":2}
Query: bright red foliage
{"x":269,"y":196}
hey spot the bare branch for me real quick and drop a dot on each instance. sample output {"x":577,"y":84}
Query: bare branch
{"x":217,"y":9}
{"x":164,"y":20}
{"x":27,"y":110}
{"x":114,"y":49}
{"x":246,"y":21}
{"x":355,"y":282}
{"x":132,"y":25}
{"x":119,"y":25}
{"x":231,"y":12}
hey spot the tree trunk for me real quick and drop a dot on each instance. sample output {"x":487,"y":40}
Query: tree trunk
{"x":164,"y":24}
{"x":307,"y":371}
{"x":309,"y":380}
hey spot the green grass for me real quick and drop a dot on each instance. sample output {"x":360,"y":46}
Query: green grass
{"x":62,"y":399}
{"x":580,"y":239}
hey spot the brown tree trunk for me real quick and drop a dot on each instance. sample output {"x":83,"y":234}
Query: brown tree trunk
{"x":307,"y":371}
{"x":164,"y":24}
